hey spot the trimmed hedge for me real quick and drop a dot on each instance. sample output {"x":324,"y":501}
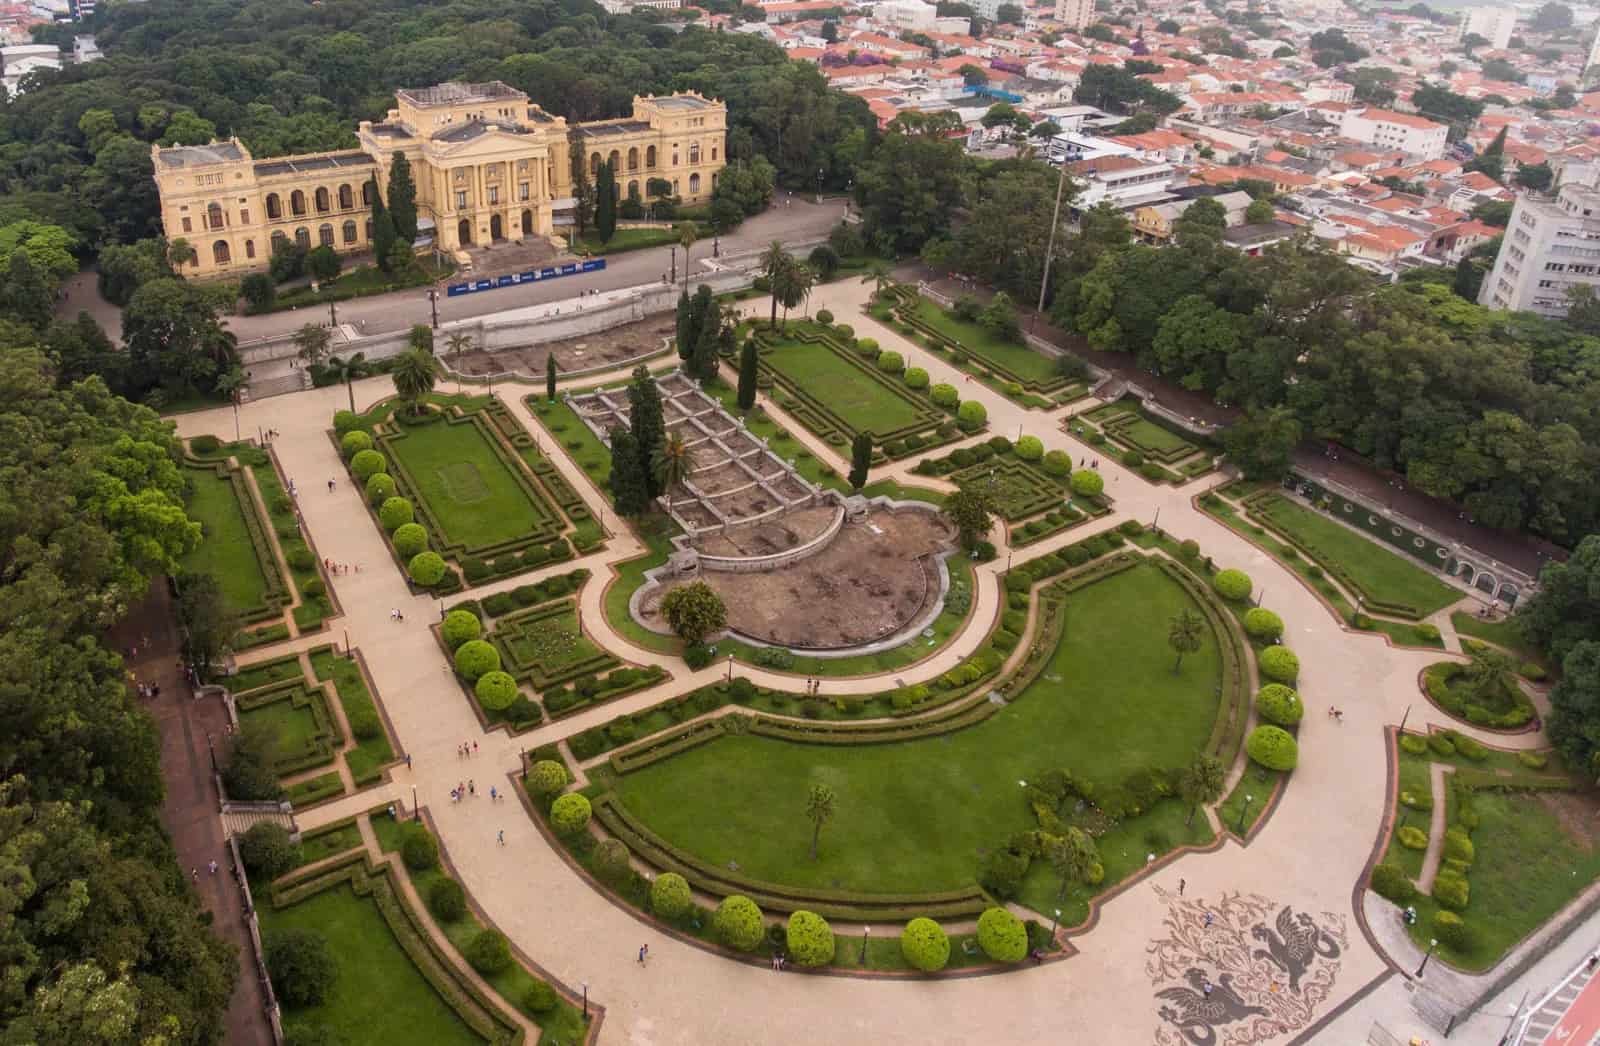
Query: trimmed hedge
{"x":546,"y":778}
{"x":738,"y":923}
{"x":1087,"y":483}
{"x":458,"y":627}
{"x":410,"y":541}
{"x":1002,"y":936}
{"x":925,"y":945}
{"x":1279,"y":664}
{"x":1029,"y":448}
{"x":1263,"y":624}
{"x":1391,"y":882}
{"x":1279,"y":705}
{"x":1233,"y":585}
{"x":669,"y":896}
{"x":354,"y":443}
{"x":427,"y":569}
{"x":496,"y":690}
{"x":570,"y":814}
{"x":1272,"y":747}
{"x":380,"y":488}
{"x":395,"y":513}
{"x":368,"y":463}
{"x":474,"y":658}
{"x":809,"y":939}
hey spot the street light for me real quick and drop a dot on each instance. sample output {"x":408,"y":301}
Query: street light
{"x":416,"y":811}
{"x":866,"y":932}
{"x":1053,"y":923}
{"x":1433,"y":942}
{"x":1239,"y":828}
{"x":433,"y":303}
{"x":585,"y":1000}
{"x":730,"y":668}
{"x":1055,"y":221}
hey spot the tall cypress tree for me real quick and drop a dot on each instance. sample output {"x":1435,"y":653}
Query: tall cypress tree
{"x":582,"y":191}
{"x":685,"y":330}
{"x":747,"y":374}
{"x":860,"y":460}
{"x":647,"y":422}
{"x":605,"y":203}
{"x":383,"y":232}
{"x":403,"y":199}
{"x":628,"y":484}
{"x":703,"y":364}
{"x":550,"y":377}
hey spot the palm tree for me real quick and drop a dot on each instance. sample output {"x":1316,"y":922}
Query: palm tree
{"x":773,"y":260}
{"x":819,"y":808}
{"x":1201,"y":782}
{"x":456,"y":344}
{"x":1184,"y":633}
{"x":793,"y":283}
{"x":230,"y":383}
{"x":181,"y":252}
{"x":688,"y":232}
{"x":347,"y":370}
{"x":878,"y":275}
{"x":313,"y":340}
{"x":670,"y":463}
{"x":415,"y":372}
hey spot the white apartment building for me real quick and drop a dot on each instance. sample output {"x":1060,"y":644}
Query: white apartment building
{"x":1494,"y":24}
{"x":907,"y":15}
{"x":1550,"y":247}
{"x":1413,"y":135}
{"x":1075,"y":14}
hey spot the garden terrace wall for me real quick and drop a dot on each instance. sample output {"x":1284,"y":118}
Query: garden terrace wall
{"x":326,"y":739}
{"x":904,"y":302}
{"x":277,"y":596}
{"x":665,"y":744}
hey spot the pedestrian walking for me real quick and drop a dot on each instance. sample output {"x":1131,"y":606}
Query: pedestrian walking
{"x":194,"y":874}
{"x":408,"y":760}
{"x":472,"y":787}
{"x":1181,"y":884}
{"x":330,"y":486}
{"x":493,"y":794}
{"x":213,"y":867}
{"x":474,"y":748}
{"x":402,"y":614}
{"x":501,"y":836}
{"x":1210,"y":919}
{"x":644,"y":953}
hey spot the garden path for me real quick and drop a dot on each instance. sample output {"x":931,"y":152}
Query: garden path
{"x":1309,"y":854}
{"x":1436,"y":825}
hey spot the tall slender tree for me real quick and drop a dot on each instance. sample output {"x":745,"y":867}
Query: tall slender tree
{"x":819,"y":810}
{"x":749,"y":367}
{"x":605,"y":203}
{"x":403,"y":199}
{"x":550,"y":377}
{"x":647,"y":421}
{"x":629,"y":488}
{"x":685,"y":325}
{"x":457,"y":344}
{"x":1185,"y":633}
{"x":773,"y":260}
{"x":708,"y":346}
{"x":1201,"y":782}
{"x":860,"y":459}
{"x":670,"y":466}
{"x":688,"y":232}
{"x":582,"y":188}
{"x":347,"y":370}
{"x":384,"y":236}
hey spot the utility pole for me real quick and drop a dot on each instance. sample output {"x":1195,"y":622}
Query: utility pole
{"x":433,"y":303}
{"x":1049,"y":251}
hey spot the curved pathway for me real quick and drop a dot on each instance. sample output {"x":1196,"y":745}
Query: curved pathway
{"x":1309,"y":854}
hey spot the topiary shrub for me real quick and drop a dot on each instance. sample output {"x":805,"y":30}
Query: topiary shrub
{"x":489,"y":952}
{"x":540,"y":997}
{"x":916,"y":378}
{"x":1417,"y":800}
{"x":1391,"y":882}
{"x":1426,"y":632}
{"x":458,"y":627}
{"x":925,"y":945}
{"x":1453,"y":931}
{"x":426,"y":569}
{"x":669,"y":896}
{"x":809,"y":939}
{"x":344,"y":421}
{"x":368,"y":463}
{"x":354,"y":443}
{"x":380,"y":488}
{"x":697,"y":656}
{"x":1057,"y":463}
{"x":1279,"y":704}
{"x":1029,"y":448}
{"x":1441,"y":745}
{"x":496,"y":690}
{"x":1279,"y":664}
{"x":1233,"y":584}
{"x":824,"y":317}
{"x":1451,"y":891}
{"x":1470,"y":748}
{"x":1272,"y":747}
{"x":1262,"y":623}
{"x":1533,"y":760}
{"x":546,"y":778}
{"x":867,"y":346}
{"x":419,"y":850}
{"x":944,"y":395}
{"x":474,"y":658}
{"x":1413,"y":744}
{"x":570,"y":814}
{"x":611,"y":862}
{"x":410,"y":540}
{"x":300,"y":966}
{"x":1087,"y":483}
{"x":1411,"y":837}
{"x":738,"y":923}
{"x":447,"y":900}
{"x":1458,"y":846}
{"x":395,"y":513}
{"x":971,"y":416}
{"x":267,"y":851}
{"x":891,"y":362}
{"x":1002,"y":936}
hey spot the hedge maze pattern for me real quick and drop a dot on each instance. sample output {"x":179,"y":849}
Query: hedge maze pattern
{"x":1165,"y":456}
{"x":278,"y":596}
{"x":325,"y":740}
{"x":904,"y":301}
{"x":518,"y":635}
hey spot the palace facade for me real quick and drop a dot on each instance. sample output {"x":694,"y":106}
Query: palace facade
{"x":489,"y":166}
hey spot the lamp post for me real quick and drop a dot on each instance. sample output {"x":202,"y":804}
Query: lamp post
{"x":433,"y":304}
{"x":1055,"y":221}
{"x":333,"y":315}
{"x":730,"y":668}
{"x":1402,"y":731}
{"x":1239,"y":828}
{"x":416,"y":811}
{"x":1433,"y":942}
{"x":585,"y":1000}
{"x":1054,"y":922}
{"x":866,"y":932}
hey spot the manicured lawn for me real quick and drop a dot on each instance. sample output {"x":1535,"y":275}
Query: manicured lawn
{"x":975,"y":339}
{"x":295,"y":726}
{"x":1383,"y":575}
{"x":225,"y":552}
{"x":552,"y":643}
{"x":1501,"y":633}
{"x":865,"y":404}
{"x":469,"y":489}
{"x":367,"y":758}
{"x":916,"y":816}
{"x":1148,"y":434}
{"x":378,"y":995}
{"x":629,"y":240}
{"x":265,"y":673}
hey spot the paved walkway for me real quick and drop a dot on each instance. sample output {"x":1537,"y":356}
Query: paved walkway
{"x":1310,"y":853}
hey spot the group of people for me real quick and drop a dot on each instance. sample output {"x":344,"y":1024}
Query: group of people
{"x":148,"y":690}
{"x":813,"y":687}
{"x":339,"y":568}
{"x":1336,"y":714}
{"x":469,"y":788}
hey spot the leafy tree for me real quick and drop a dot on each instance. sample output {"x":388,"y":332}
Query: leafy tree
{"x":973,"y":75}
{"x":969,"y":511}
{"x":1261,"y":443}
{"x":912,"y":183}
{"x":860,"y":459}
{"x":1552,"y":17}
{"x":125,"y":268}
{"x":300,"y":965}
{"x":175,"y":338}
{"x":1117,"y":90}
{"x":1259,"y":212}
{"x":1072,"y":855}
{"x":415,"y":373}
{"x":820,"y":802}
{"x":324,"y":263}
{"x":1535,"y":176}
{"x":1201,"y":782}
{"x":1575,"y":706}
{"x":749,"y":370}
{"x":629,"y":488}
{"x":1565,"y":609}
{"x":773,"y":261}
{"x":694,"y":611}
{"x":312,"y":341}
{"x":1185,"y":635}
{"x":247,"y":772}
{"x":647,"y":422}
{"x":550,"y":377}
{"x":605,"y":205}
{"x":402,"y":199}
{"x":747,"y":185}
{"x":205,"y":619}
{"x":259,"y":291}
{"x":792,"y":286}
{"x":267,"y":850}
{"x":583,"y":191}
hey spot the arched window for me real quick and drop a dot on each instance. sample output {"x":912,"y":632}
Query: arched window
{"x":594,"y":165}
{"x":302,"y":236}
{"x":249,"y":248}
{"x":633,"y":159}
{"x":219,"y":252}
{"x":694,"y":185}
{"x":349,"y":232}
{"x":366,"y":194}
{"x":615,"y":160}
{"x":322,"y":200}
{"x":214,"y":216}
{"x":713,"y":154}
{"x":297,"y":203}
{"x":694,"y":153}
{"x":274,"y":207}
{"x":279,"y":240}
{"x":347,"y":199}
{"x":650,"y":156}
{"x":325,"y":235}
{"x":369,"y":230}
{"x":633,"y":190}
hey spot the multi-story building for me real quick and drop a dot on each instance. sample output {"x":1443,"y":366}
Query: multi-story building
{"x":488,"y":164}
{"x":1075,"y":14}
{"x":1550,"y":246}
{"x":1413,"y":135}
{"x":1494,"y":24}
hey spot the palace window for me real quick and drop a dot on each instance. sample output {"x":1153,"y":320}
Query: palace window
{"x":522,"y":191}
{"x":302,"y":236}
{"x":274,"y":207}
{"x":349,"y":232}
{"x":188,"y":226}
{"x":650,"y":156}
{"x":325,"y":235}
{"x":347,"y":199}
{"x":249,"y":248}
{"x":694,"y":153}
{"x":694,"y":185}
{"x":214,"y":216}
{"x":322,"y":200}
{"x":461,"y":201}
{"x":219,"y":252}
{"x":494,"y":194}
{"x":244,"y":216}
{"x":297,"y":203}
{"x":633,"y":159}
{"x":366,"y":194}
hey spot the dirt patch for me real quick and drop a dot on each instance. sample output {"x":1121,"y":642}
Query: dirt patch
{"x":872,"y":579}
{"x":1578,"y":814}
{"x":585,"y":352}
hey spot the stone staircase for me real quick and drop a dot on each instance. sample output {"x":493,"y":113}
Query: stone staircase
{"x":294,"y":381}
{"x":238,"y":817}
{"x":1436,"y":1011}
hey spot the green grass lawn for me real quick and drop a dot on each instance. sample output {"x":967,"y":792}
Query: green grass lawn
{"x":294,"y":725}
{"x":552,"y":643}
{"x":975,"y":339}
{"x":1501,"y":633}
{"x":916,"y":816}
{"x":469,"y":489}
{"x":1147,"y":434}
{"x":378,"y":995}
{"x":629,"y":240}
{"x":865,"y":404}
{"x":225,"y":552}
{"x":1382,"y":574}
{"x":367,"y":758}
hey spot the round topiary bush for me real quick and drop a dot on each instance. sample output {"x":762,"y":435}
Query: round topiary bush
{"x":1002,"y":936}
{"x":447,"y":900}
{"x":1426,"y":632}
{"x":1411,"y":837}
{"x":354,"y":443}
{"x":824,"y":317}
{"x":300,"y":965}
{"x":1279,"y":664}
{"x":496,"y":690}
{"x":368,"y":463}
{"x":669,"y":895}
{"x":344,"y":421}
{"x":1458,"y":845}
{"x":409,"y":540}
{"x":540,"y":997}
{"x":1391,"y":882}
{"x":1453,"y":931}
{"x":419,"y":850}
{"x":489,"y":952}
{"x":916,"y":377}
{"x":476,"y":657}
{"x":267,"y":851}
{"x":891,"y":362}
{"x":380,"y":488}
{"x":426,"y":569}
{"x":1280,"y":705}
{"x":738,"y":923}
{"x":611,"y":862}
{"x":1263,"y":623}
{"x":1413,"y":744}
{"x":1233,"y":584}
{"x":395,"y":513}
{"x":1451,"y":891}
{"x":547,"y":778}
{"x":459,"y":626}
{"x":944,"y":395}
{"x":971,"y":416}
{"x":1087,"y":483}
{"x":925,"y":945}
{"x":1273,"y":748}
{"x":1057,"y":463}
{"x":1029,"y":448}
{"x":809,"y":939}
{"x":867,"y":346}
{"x":570,"y":814}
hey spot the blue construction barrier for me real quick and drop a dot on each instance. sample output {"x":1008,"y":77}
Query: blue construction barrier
{"x":512,"y":279}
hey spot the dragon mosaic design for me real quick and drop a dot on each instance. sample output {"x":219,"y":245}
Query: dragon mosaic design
{"x":1242,"y":970}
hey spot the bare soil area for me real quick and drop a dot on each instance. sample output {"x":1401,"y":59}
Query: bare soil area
{"x":602,"y":348}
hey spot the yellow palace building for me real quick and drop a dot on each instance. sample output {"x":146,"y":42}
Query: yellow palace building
{"x":489,"y":165}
